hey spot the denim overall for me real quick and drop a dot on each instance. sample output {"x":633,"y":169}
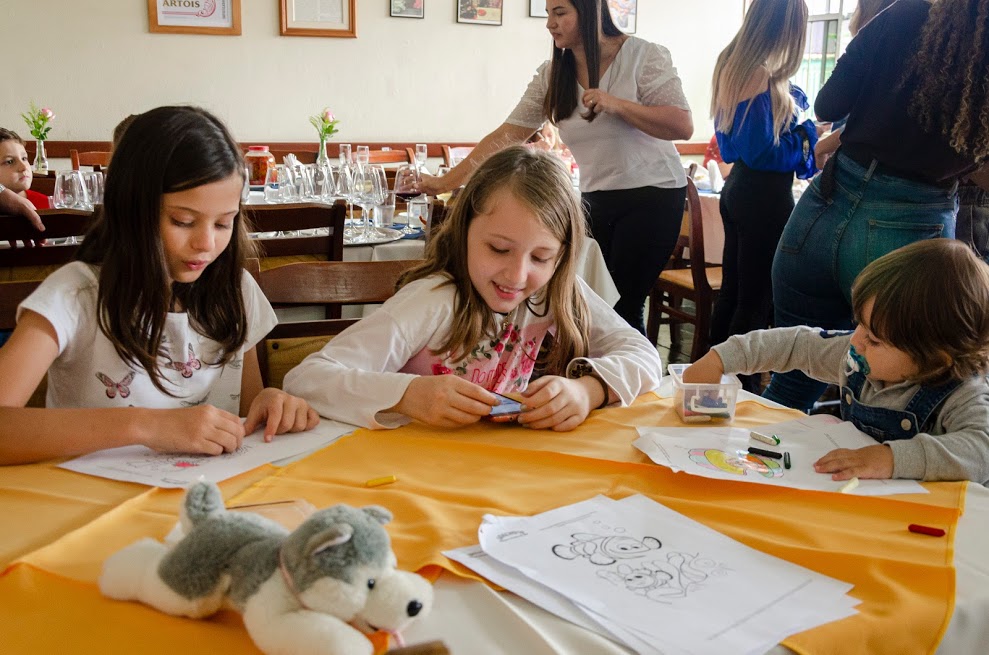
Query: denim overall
{"x":884,"y":424}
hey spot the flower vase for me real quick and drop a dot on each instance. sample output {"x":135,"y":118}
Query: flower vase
{"x":321,"y":158}
{"x":41,"y":160}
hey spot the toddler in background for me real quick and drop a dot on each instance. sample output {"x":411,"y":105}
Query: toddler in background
{"x":499,"y":282}
{"x":149,"y":337}
{"x":912,"y":374}
{"x":15,"y":169}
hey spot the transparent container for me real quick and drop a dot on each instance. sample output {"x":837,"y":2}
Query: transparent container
{"x":258,"y":161}
{"x":704,"y":403}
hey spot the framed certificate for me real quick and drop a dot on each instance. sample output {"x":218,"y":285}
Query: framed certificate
{"x":194,"y":16}
{"x":334,"y":18}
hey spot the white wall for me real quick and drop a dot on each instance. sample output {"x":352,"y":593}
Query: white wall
{"x":400,"y":80}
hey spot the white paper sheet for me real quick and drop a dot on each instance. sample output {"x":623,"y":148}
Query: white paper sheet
{"x":145,"y":466}
{"x":684,"y":587}
{"x":722,"y":453}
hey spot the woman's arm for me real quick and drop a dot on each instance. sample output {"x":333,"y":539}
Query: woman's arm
{"x":503,"y":136}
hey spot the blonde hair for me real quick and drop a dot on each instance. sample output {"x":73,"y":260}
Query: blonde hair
{"x":772,"y":35}
{"x":931,"y":300}
{"x":539,"y":181}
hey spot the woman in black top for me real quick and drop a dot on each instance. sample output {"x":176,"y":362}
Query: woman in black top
{"x":912,"y":86}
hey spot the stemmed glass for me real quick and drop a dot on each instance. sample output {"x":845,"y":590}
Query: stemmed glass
{"x":407,"y":187}
{"x":370,"y":189}
{"x":344,"y":175}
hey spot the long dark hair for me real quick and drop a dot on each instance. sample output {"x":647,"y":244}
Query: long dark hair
{"x":561,"y":98}
{"x":948,"y":75}
{"x":165,"y":150}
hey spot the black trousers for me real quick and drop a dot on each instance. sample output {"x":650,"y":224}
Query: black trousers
{"x":755,"y":206}
{"x":637,"y":230}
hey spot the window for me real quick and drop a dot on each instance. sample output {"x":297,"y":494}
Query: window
{"x":827,"y":38}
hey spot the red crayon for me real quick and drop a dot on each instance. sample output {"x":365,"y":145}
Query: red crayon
{"x":926,"y":529}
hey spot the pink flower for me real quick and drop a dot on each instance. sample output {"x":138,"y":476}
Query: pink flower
{"x":439,"y":369}
{"x":328,"y":115}
{"x":47,"y":113}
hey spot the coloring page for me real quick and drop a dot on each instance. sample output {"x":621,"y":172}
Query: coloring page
{"x":145,"y":466}
{"x":658,"y":573}
{"x":724,"y":453}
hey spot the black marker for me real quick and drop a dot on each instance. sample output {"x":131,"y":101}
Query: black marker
{"x":786,"y":460}
{"x":764,"y":453}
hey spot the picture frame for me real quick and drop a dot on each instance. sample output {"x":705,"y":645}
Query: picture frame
{"x":407,"y":8}
{"x":625,"y":14}
{"x":537,"y":9}
{"x":330,"y":18}
{"x":479,"y":12}
{"x":219,"y":17}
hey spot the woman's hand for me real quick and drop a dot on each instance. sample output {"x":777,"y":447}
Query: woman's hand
{"x":432,"y":185}
{"x":872,"y":462}
{"x":280,"y":413}
{"x":445,"y":401}
{"x":706,"y":370}
{"x":560,"y":403}
{"x":203,"y":429}
{"x":599,"y":102}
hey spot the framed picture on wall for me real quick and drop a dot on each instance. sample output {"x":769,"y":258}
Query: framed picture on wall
{"x":408,"y":8}
{"x":481,"y":12}
{"x":194,"y":16}
{"x":623,"y":12}
{"x":337,"y":18}
{"x":537,"y":8}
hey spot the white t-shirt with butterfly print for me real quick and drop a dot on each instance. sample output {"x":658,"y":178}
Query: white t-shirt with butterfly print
{"x":88,"y":372}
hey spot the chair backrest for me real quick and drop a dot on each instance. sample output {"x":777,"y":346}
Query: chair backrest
{"x":43,"y":184}
{"x":455,"y":152}
{"x":11,"y":295}
{"x":437,"y":214}
{"x":698,"y":262}
{"x":406,"y":156}
{"x":97,"y":159}
{"x":59,"y":224}
{"x":291,"y":217}
{"x":311,"y":283}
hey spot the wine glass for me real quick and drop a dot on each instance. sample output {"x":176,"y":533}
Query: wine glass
{"x":369,"y":190}
{"x":407,"y":186}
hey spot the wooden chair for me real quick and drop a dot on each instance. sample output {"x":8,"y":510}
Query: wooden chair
{"x":317,"y":283}
{"x":406,"y":156}
{"x":304,"y":156}
{"x":44,"y":184}
{"x":98,"y":160}
{"x":13,"y":294}
{"x":699,"y":283}
{"x":458,"y":152}
{"x":59,"y":223}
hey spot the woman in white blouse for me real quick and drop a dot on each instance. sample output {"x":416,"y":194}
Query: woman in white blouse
{"x":618,"y":103}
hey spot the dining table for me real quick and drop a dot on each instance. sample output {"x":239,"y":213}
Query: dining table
{"x":919,"y":594}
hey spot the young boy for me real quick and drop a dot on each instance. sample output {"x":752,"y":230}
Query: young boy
{"x":15,"y":169}
{"x":912,"y":374}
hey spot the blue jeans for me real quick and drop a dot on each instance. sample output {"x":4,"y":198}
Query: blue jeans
{"x":829,"y":240}
{"x":973,"y":219}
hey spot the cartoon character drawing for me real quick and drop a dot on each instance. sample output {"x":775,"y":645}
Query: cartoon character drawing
{"x":681,"y":574}
{"x":113,"y":388}
{"x":737,"y":464}
{"x":604,"y":549}
{"x":187,"y":367}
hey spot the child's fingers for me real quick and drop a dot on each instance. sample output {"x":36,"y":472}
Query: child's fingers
{"x":275,"y":413}
{"x":313,"y":418}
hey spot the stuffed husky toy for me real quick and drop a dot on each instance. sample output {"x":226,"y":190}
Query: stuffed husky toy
{"x":297,"y":591}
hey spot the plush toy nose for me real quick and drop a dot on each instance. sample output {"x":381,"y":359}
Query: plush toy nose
{"x":413,"y":608}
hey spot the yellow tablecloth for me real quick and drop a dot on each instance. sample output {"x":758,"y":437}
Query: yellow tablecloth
{"x":448,"y":479}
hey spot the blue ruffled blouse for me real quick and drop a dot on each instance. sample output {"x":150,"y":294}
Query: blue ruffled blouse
{"x":751,"y":138}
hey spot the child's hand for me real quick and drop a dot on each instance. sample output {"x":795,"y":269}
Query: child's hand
{"x":203,"y":429}
{"x":706,"y":370}
{"x":280,"y":413}
{"x":873,"y":462}
{"x":560,"y":403}
{"x":445,"y":401}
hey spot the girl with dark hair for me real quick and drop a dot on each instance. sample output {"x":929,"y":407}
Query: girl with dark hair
{"x":618,"y":103}
{"x":152,"y":331}
{"x":912,"y":84}
{"x":497,"y":295}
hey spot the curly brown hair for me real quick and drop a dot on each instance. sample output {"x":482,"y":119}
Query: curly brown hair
{"x":949,"y":75}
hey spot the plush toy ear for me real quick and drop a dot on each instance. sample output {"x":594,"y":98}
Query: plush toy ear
{"x":378,"y":513}
{"x":339,"y":533}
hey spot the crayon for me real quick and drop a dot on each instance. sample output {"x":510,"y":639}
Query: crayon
{"x":849,"y":486}
{"x":925,"y":529}
{"x":377,"y":482}
{"x":771,"y":440}
{"x":786,"y":460}
{"x":764,"y":453}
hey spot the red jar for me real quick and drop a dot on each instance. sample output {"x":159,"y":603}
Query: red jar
{"x":258,"y":160}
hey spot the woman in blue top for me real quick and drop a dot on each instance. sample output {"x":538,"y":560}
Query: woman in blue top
{"x":755,"y":116}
